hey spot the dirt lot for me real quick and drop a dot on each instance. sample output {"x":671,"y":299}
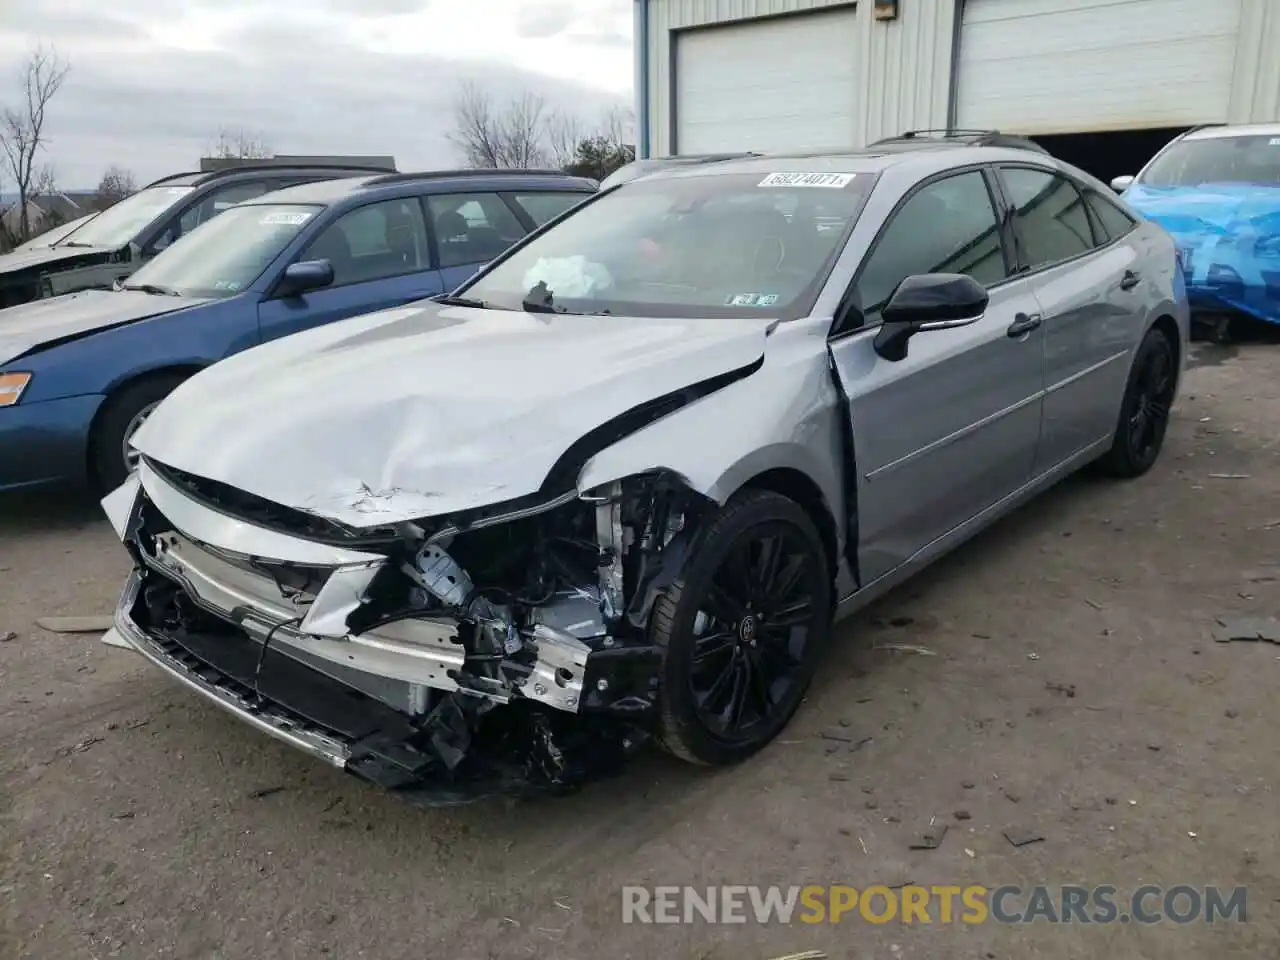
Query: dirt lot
{"x":1075,"y":691}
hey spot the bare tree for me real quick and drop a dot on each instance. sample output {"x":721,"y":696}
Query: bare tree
{"x":22,"y":134}
{"x":563,"y":134}
{"x":116,"y":184}
{"x":509,"y":136}
{"x":240,"y":144}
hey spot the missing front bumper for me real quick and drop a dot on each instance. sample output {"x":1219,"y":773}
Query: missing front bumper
{"x":464,"y":748}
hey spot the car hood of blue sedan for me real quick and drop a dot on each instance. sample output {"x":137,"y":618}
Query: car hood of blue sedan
{"x":1228,"y":239}
{"x":45,"y":323}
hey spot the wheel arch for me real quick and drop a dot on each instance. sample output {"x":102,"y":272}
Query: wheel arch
{"x":123,"y":383}
{"x":799,"y":487}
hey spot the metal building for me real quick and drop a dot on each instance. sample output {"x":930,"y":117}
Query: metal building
{"x":722,"y":75}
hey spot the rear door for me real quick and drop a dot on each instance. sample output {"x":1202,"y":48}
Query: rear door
{"x":380,"y":254}
{"x":952,"y":428}
{"x":1088,"y":286}
{"x":470,"y":229}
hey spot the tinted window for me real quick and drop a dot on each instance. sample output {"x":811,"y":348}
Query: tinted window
{"x":1188,"y":163}
{"x":1049,"y":216}
{"x":1115,"y":222}
{"x":472,"y":227}
{"x":706,"y":246}
{"x":946,"y":227}
{"x":542,"y":207}
{"x":372,"y":242}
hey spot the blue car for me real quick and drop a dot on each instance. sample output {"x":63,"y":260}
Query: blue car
{"x":1216,"y":190}
{"x":80,"y":373}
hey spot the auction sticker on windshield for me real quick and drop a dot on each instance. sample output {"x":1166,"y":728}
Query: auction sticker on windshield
{"x":833,"y":181}
{"x":289,"y":219}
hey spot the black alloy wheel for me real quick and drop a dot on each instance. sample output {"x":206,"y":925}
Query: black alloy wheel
{"x":743,"y":629}
{"x":1144,"y":415}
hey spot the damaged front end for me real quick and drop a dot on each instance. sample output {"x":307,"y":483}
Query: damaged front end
{"x":502,"y":651}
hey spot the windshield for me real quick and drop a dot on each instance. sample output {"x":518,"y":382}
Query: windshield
{"x":120,"y":224}
{"x":705,"y":246}
{"x":226,"y":254}
{"x":52,"y":236}
{"x":1188,"y":163}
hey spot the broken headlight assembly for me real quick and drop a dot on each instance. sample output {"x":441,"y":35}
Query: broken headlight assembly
{"x":552,"y":601}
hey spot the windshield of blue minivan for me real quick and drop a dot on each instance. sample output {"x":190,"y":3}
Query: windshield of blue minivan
{"x":723,"y":245}
{"x":120,"y":224}
{"x":1189,"y":163}
{"x":225,"y":255}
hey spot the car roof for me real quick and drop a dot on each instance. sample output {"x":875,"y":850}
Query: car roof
{"x":1223,"y":132}
{"x":440,"y":181}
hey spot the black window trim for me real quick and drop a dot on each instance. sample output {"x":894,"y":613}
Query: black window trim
{"x":1024,"y":270}
{"x":301,"y":255}
{"x":1000,"y":208}
{"x":1085,"y":192}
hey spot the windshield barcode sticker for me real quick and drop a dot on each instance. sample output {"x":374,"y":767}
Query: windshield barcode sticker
{"x":285,"y":219}
{"x":833,"y":181}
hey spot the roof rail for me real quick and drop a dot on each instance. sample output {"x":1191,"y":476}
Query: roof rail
{"x":451,"y":174}
{"x":174,"y":176}
{"x":1204,"y":126}
{"x":204,"y":176}
{"x":946,"y":132}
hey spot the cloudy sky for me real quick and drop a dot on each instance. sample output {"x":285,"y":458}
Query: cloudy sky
{"x":153,"y":81}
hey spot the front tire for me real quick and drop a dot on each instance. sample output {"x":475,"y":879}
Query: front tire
{"x":122,"y":414}
{"x":1144,"y":414}
{"x":743,"y":628}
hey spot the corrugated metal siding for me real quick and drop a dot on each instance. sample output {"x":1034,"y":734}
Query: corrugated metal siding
{"x":1255,"y":88}
{"x":905,"y":64}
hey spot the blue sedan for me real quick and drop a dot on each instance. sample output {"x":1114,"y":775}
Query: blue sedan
{"x":80,"y":373}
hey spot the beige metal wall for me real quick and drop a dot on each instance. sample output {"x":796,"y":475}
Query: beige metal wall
{"x":905,"y":74}
{"x":1255,"y":87}
{"x":906,"y":65}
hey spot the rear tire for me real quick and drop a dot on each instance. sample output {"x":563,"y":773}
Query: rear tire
{"x":1144,"y":414}
{"x":743,"y":628}
{"x":121,"y":416}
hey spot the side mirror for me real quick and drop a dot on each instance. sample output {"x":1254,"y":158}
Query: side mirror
{"x":924,"y":302}
{"x":305,"y":276}
{"x":1121,"y":184}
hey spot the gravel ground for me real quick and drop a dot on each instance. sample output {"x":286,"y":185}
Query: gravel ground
{"x":138,"y":822}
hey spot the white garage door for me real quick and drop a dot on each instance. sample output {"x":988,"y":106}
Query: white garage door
{"x":780,"y":84}
{"x":1035,"y":66}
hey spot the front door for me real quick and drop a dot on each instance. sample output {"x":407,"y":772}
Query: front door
{"x":380,"y":259}
{"x":952,"y":428}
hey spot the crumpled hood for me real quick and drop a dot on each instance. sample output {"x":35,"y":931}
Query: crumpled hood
{"x":1228,"y":239}
{"x":57,"y":319}
{"x":429,"y":410}
{"x":43,"y":256}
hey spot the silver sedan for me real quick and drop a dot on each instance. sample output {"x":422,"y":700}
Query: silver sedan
{"x":619,"y":486}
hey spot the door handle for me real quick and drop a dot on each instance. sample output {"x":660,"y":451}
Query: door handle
{"x":1023,"y":323}
{"x":1130,"y":280}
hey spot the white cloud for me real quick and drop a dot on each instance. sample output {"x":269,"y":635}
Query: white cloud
{"x":152,"y":81}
